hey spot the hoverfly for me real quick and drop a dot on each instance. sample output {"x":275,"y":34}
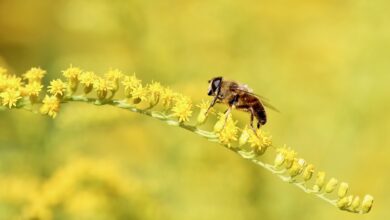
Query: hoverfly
{"x":239,"y":96}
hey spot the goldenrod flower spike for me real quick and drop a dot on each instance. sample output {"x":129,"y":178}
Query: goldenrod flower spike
{"x":176,"y":110}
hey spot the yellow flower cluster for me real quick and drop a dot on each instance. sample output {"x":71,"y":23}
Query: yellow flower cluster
{"x":51,"y":106}
{"x":287,"y":158}
{"x":226,"y":129}
{"x":13,"y":89}
{"x":182,"y":108}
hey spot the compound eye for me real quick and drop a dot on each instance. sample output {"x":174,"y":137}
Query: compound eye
{"x":216,"y":83}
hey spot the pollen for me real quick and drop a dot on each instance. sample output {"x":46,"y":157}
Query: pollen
{"x":10,"y":97}
{"x":182,"y":108}
{"x":51,"y":106}
{"x":57,"y":87}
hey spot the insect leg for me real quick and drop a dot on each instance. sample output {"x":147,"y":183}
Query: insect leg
{"x":232,"y":102}
{"x":212,"y":104}
{"x":252,"y":117}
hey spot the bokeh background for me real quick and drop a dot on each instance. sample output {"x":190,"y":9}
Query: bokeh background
{"x":324,"y":64}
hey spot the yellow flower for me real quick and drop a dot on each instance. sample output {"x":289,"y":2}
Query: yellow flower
{"x":131,"y":83}
{"x":259,"y":141}
{"x":34,"y":74}
{"x":10,"y":97}
{"x":51,"y":106}
{"x":139,"y":94}
{"x":155,"y":89}
{"x":288,"y":155}
{"x":167,"y":97}
{"x":87,"y":79}
{"x":182,"y":108}
{"x":102,"y":86}
{"x":12,"y":82}
{"x":72,"y":73}
{"x":114,"y":75}
{"x":57,"y":87}
{"x":33,"y":89}
{"x":226,"y":129}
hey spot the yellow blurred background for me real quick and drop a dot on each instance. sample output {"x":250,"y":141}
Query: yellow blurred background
{"x":324,"y":64}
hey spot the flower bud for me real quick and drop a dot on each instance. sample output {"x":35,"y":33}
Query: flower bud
{"x":308,"y":172}
{"x":320,"y":180}
{"x":244,"y":137}
{"x":368,"y":200}
{"x":331,"y":185}
{"x":202,"y":116}
{"x":297,"y":167}
{"x":101,"y":94}
{"x":219,"y":125}
{"x":279,"y":159}
{"x":345,"y":202}
{"x":343,"y":189}
{"x":88,"y":89}
{"x":355,"y":203}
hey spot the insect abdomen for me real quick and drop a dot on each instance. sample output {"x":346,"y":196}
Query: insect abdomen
{"x":260,"y":114}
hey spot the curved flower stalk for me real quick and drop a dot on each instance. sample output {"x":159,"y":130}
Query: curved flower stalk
{"x":175,"y":109}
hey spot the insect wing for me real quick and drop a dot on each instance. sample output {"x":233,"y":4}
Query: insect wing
{"x":264,"y":100}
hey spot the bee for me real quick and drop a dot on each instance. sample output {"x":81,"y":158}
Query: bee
{"x":239,"y":96}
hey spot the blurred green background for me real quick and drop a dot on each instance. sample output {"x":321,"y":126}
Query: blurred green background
{"x":324,"y":64}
